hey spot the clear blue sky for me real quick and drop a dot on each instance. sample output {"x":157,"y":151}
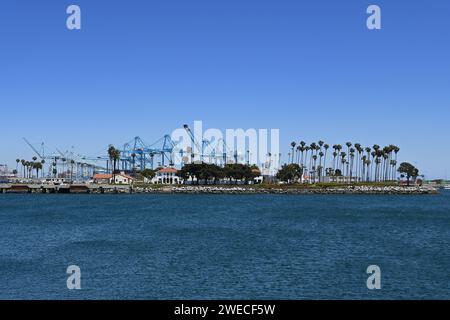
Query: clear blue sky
{"x":310,"y":68}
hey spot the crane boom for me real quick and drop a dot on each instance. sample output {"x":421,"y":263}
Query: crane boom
{"x":33,"y":148}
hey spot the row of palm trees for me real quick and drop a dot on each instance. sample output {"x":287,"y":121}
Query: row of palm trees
{"x":27,"y":167}
{"x":352,"y":160}
{"x":114,"y":158}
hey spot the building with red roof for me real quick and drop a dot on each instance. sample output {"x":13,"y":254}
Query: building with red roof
{"x":107,"y":178}
{"x":167,"y":175}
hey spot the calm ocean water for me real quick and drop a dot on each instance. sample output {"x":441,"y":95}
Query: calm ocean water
{"x":224,"y":246}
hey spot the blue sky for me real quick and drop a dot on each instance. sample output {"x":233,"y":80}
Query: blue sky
{"x":310,"y":68}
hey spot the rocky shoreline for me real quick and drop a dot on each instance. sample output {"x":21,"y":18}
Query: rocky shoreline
{"x":217,"y":189}
{"x":415,"y":190}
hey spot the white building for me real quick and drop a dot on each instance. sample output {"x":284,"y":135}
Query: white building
{"x":107,"y":178}
{"x":167,"y":176}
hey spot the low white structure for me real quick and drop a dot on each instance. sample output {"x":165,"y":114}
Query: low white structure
{"x":108,"y":178}
{"x":167,"y":176}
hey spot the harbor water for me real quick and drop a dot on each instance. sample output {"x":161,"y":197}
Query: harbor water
{"x":144,"y":246}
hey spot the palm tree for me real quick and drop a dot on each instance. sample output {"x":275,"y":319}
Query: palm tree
{"x":63,"y":167}
{"x":55,"y":167}
{"x":299,"y":148}
{"x":320,"y":143}
{"x":351,"y":161}
{"x":376,"y":149}
{"x":313,"y":168}
{"x":321,"y":154}
{"x":133,"y":156}
{"x":335,"y":154}
{"x":386,"y":152}
{"x":42,"y":163}
{"x":307,"y":148}
{"x":348,"y":144}
{"x":23,"y":167}
{"x":368,"y":163}
{"x":343,"y":161}
{"x":111,"y":153}
{"x":358,"y":157}
{"x":37,"y":166}
{"x":363,"y":167}
{"x":339,"y":148}
{"x":114,"y":156}
{"x":312,"y":147}
{"x":368,"y":150}
{"x":28,"y":166}
{"x":72,"y":162}
{"x":396,"y":150}
{"x":326,"y":147}
{"x":17,"y":164}
{"x":293,"y":144}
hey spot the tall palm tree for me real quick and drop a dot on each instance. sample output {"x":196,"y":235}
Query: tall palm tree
{"x":368,"y":163}
{"x":358,"y":157}
{"x":326,"y":147}
{"x":368,"y":151}
{"x":335,"y":154}
{"x":28,"y":165}
{"x":351,"y":162}
{"x":37,"y":166}
{"x":312,"y":147}
{"x":17,"y":164}
{"x":320,"y":146}
{"x":23,"y":168}
{"x":133,"y":156}
{"x":339,"y":148}
{"x":343,"y":161}
{"x":293,"y":144}
{"x":297,"y":159}
{"x":314,"y":168}
{"x":348,"y":144}
{"x":307,"y":148}
{"x":55,"y":167}
{"x":115,"y":159}
{"x":376,"y":149}
{"x":386,"y":152}
{"x":43,"y":163}
{"x":63,"y":167}
{"x":321,"y":154}
{"x":396,"y":150}
{"x":363,"y":167}
{"x":111,"y":153}
{"x":72,"y":162}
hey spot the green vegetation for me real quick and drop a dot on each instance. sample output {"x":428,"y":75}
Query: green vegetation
{"x":409,"y":171}
{"x":114,"y":157}
{"x":28,"y":167}
{"x":356,"y":163}
{"x":148,"y":173}
{"x":290,"y":173}
{"x":206,"y":173}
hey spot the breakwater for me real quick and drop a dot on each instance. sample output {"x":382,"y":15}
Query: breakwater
{"x":413,"y":190}
{"x":211,"y":189}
